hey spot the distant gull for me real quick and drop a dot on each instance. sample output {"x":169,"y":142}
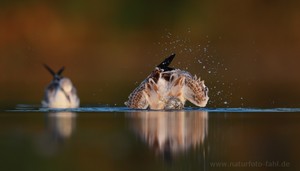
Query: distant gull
{"x":60,"y":93}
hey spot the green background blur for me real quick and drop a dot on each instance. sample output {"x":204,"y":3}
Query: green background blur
{"x":246,"y":51}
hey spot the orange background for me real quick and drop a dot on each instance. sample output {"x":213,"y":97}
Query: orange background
{"x":246,"y":51}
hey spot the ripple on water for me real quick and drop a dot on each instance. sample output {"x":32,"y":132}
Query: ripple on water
{"x":37,"y":108}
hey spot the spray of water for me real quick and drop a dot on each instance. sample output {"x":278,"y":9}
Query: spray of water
{"x":203,"y":56}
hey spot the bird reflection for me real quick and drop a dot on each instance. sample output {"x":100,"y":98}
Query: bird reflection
{"x":61,"y":125}
{"x":170,"y":133}
{"x":59,"y":128}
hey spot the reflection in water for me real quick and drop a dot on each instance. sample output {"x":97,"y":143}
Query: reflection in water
{"x":59,"y":127}
{"x":170,"y":133}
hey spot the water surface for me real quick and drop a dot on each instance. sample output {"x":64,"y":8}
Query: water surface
{"x":117,"y":138}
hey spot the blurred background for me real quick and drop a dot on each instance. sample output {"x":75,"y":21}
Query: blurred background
{"x":246,"y":51}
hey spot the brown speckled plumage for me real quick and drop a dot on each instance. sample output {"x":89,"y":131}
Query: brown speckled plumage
{"x":195,"y":91}
{"x":137,"y":99}
{"x":166,"y":88}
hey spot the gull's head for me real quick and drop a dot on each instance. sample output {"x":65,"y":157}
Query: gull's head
{"x":174,"y":104}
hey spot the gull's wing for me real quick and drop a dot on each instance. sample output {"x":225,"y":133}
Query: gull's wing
{"x":146,"y":92}
{"x":50,"y":70}
{"x":55,"y":75}
{"x":59,"y":72}
{"x":164,"y":65}
{"x":137,"y":99}
{"x":195,"y":91}
{"x":49,"y":92}
{"x":154,"y":96}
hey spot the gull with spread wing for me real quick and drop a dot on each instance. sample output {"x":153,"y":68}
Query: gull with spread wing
{"x":168,"y":88}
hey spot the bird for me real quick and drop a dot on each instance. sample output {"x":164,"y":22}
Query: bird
{"x":168,"y":88}
{"x":60,"y":93}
